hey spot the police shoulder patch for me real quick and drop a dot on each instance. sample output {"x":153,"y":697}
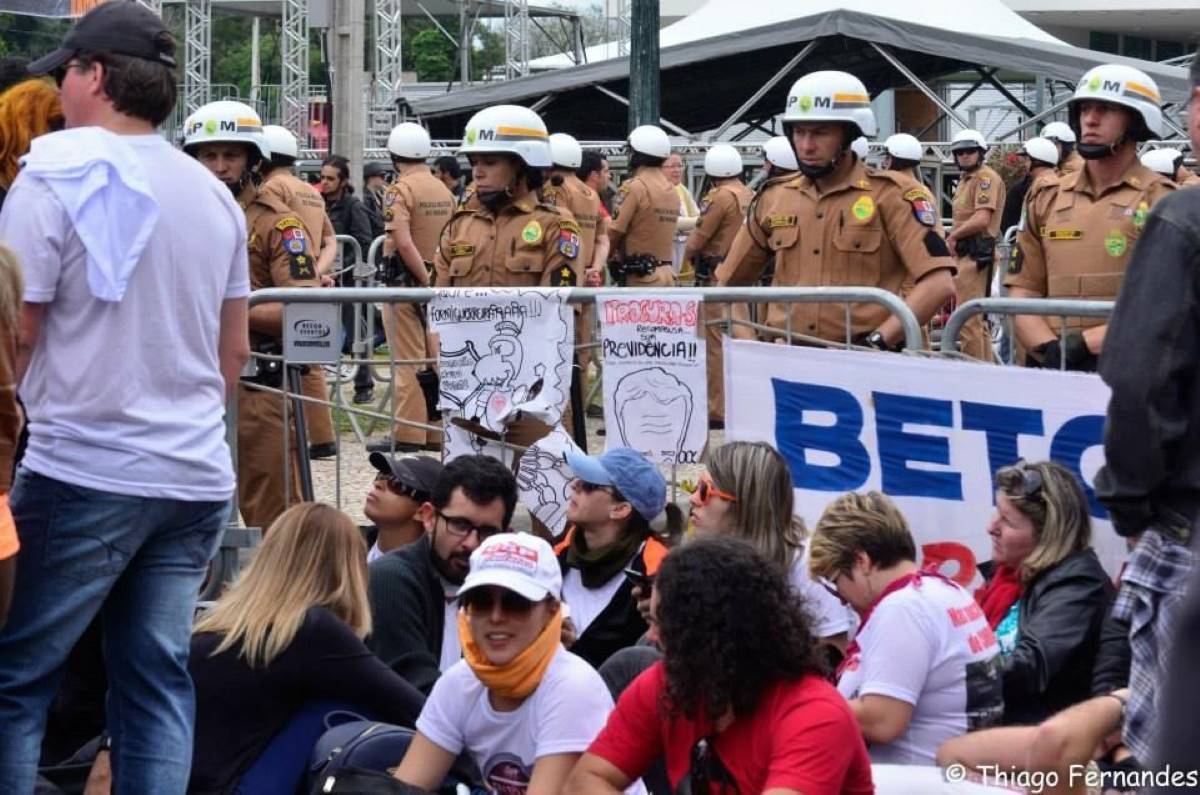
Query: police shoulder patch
{"x":532,"y":233}
{"x":295,"y":245}
{"x":985,"y":183}
{"x":569,"y":239}
{"x":565,"y":277}
{"x":922,"y":207}
{"x":569,"y":225}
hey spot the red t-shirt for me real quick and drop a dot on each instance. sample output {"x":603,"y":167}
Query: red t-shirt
{"x":802,"y":737}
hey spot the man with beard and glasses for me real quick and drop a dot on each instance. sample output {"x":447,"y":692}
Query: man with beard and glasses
{"x":414,"y":590}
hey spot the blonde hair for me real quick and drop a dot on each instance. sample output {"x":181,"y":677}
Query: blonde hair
{"x":854,"y":523}
{"x":759,"y":477}
{"x":312,"y":556}
{"x":12,"y":288}
{"x":27,"y":110}
{"x":1058,"y":511}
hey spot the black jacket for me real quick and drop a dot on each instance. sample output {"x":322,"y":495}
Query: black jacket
{"x":349,"y":216}
{"x":1010,"y":216}
{"x":619,"y":624}
{"x":1059,"y":621}
{"x":408,"y":610}
{"x":1151,"y":361}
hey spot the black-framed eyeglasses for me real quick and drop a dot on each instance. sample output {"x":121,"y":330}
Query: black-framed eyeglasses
{"x":1020,"y":480}
{"x":483,"y":600}
{"x":706,"y":770}
{"x":60,"y":74}
{"x":462,"y":527}
{"x":831,"y":586}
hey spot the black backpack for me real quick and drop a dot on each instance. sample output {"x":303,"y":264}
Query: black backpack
{"x":355,"y":757}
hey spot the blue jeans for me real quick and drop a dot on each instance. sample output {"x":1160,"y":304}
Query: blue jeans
{"x":138,"y":562}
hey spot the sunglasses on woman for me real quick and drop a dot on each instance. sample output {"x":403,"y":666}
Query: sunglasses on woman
{"x":706,"y":490}
{"x":483,"y":600}
{"x":1020,"y":480}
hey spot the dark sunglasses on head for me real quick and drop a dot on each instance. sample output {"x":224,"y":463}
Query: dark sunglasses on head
{"x":1020,"y":480}
{"x":462,"y":527}
{"x":483,"y":600}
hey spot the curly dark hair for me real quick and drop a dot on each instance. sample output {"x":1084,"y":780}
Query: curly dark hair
{"x":730,"y":626}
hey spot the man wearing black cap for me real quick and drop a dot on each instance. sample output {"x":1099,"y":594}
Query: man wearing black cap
{"x":401,"y":487}
{"x":134,"y":330}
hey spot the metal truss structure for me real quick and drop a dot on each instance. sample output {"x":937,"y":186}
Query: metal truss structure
{"x":197,"y":54}
{"x":383,"y":111}
{"x":516,"y":39}
{"x":294,"y":53}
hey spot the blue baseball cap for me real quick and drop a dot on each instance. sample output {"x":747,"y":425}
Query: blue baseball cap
{"x":629,"y":472}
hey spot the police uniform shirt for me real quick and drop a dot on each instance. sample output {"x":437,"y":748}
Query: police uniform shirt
{"x":721,"y":214}
{"x":1071,"y":164}
{"x":647,"y":214}
{"x":528,"y":244}
{"x":278,"y":245}
{"x":303,"y":200}
{"x":422,"y":202}
{"x":981,"y":189}
{"x":872,"y":229}
{"x":584,"y":204}
{"x":1074,"y":243}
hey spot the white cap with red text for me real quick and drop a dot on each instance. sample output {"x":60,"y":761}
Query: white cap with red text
{"x":519,"y":562}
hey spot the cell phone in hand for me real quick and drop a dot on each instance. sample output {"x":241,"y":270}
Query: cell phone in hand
{"x":639,"y":579}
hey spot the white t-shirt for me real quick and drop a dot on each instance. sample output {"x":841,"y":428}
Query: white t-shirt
{"x":831,"y":617}
{"x":928,"y":645}
{"x":128,"y":397}
{"x":564,"y":715}
{"x":587,"y":603}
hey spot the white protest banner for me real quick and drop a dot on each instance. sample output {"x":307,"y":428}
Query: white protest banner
{"x":502,"y":352}
{"x":544,"y":479}
{"x":655,"y":386}
{"x":929,"y":433}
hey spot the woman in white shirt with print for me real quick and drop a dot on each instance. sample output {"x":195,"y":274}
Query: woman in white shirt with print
{"x":523,"y":706}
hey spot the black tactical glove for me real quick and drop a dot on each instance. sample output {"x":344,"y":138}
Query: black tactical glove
{"x":1051,"y":355}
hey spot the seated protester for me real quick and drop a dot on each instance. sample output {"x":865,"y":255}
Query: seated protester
{"x":402,"y":486}
{"x":1048,"y":595}
{"x":523,"y":706}
{"x":924,"y":666}
{"x":614,"y":498}
{"x":1073,"y":746}
{"x":739,"y":703}
{"x":746,"y":493}
{"x":413,"y":590}
{"x":288,"y":633}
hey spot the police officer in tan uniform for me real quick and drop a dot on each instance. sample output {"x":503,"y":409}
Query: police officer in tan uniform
{"x":903,"y":153}
{"x":505,"y":236}
{"x":643,"y":233}
{"x":1169,"y":163}
{"x":279,"y":182}
{"x":721,"y":214}
{"x":1078,"y":231}
{"x":976,"y":218}
{"x":563,"y":188}
{"x":840,"y":223}
{"x":226,"y":137}
{"x":1064,"y":138}
{"x":416,"y":206}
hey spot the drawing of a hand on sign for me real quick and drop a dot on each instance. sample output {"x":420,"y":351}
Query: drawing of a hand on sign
{"x":654,"y":411}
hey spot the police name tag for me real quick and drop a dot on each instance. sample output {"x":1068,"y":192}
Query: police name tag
{"x":312,"y":333}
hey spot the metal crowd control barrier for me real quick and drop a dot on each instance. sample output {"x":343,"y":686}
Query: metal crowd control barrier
{"x":238,"y":538}
{"x":1061,"y":308}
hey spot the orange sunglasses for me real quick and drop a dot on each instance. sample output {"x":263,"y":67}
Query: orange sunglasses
{"x":705,"y":491}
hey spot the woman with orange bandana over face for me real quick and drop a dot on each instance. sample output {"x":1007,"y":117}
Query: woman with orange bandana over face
{"x":523,"y":706}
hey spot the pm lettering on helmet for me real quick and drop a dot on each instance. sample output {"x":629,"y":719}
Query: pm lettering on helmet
{"x":228,"y":125}
{"x":1113,"y":86}
{"x":822,"y":102}
{"x":487,"y":135}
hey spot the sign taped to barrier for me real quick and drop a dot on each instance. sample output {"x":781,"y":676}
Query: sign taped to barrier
{"x":312,"y":333}
{"x":655,"y":384}
{"x":929,"y":433}
{"x":500,"y":353}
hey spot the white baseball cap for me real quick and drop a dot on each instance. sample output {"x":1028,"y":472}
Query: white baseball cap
{"x":518,"y":562}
